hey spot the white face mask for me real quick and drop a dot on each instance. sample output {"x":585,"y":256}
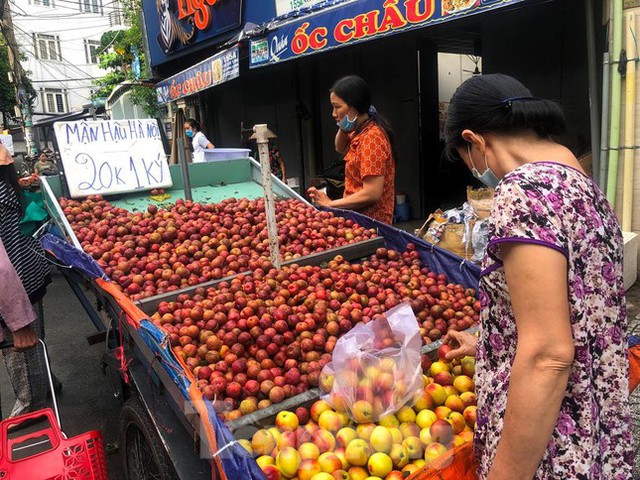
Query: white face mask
{"x":488,"y":177}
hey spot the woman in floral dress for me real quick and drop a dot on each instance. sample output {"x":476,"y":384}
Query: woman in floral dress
{"x":552,"y":369}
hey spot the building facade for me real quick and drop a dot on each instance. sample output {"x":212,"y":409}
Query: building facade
{"x":59,"y":40}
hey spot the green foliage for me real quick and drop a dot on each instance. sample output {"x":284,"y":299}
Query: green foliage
{"x":7,"y":90}
{"x":118,"y":51}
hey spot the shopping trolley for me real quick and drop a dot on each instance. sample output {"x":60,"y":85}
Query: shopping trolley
{"x":33,"y":446}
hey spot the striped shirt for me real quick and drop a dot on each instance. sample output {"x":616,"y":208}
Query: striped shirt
{"x":25,"y":253}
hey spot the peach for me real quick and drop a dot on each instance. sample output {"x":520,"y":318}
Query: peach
{"x":287,"y":421}
{"x":329,"y":420}
{"x":434,"y":451}
{"x":308,"y":468}
{"x":288,"y":460}
{"x":329,"y":462}
{"x":317,"y":408}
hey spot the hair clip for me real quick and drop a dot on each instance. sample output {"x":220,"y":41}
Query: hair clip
{"x":509,"y":101}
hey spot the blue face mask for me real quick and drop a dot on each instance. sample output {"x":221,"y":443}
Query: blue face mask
{"x":346,"y":124}
{"x":488,"y":177}
{"x":189,"y":133}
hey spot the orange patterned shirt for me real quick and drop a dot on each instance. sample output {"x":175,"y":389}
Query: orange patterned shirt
{"x":370,"y":155}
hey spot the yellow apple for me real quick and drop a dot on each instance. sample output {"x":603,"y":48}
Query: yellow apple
{"x":442,"y":412}
{"x":395,"y":475}
{"x":262,"y":442}
{"x":322,"y":476}
{"x":464,"y":384}
{"x":362,"y":411}
{"x":389,"y":421}
{"x":345,"y":435}
{"x":438,"y":367}
{"x":425,"y":418}
{"x":457,"y":421}
{"x":381,"y":439}
{"x":344,"y":418}
{"x":468,"y":398}
{"x":451,"y":390}
{"x":287,"y":421}
{"x":406,"y":414}
{"x":271,"y":472}
{"x":358,"y":473}
{"x":419,"y":462}
{"x":425,"y":436}
{"x":324,"y":440}
{"x":265,"y":460}
{"x":409,"y":430}
{"x":434,"y":451}
{"x":340,"y":475}
{"x":469,"y":415}
{"x":455,"y":403}
{"x":288,"y":461}
{"x":246,"y":444}
{"x":399,"y":456}
{"x":380,"y":464}
{"x":329,"y":420}
{"x":308,"y":468}
{"x":466,"y":435}
{"x":275,"y":433}
{"x":458,"y":440}
{"x":329,"y":462}
{"x":410,"y":468}
{"x":317,"y":408}
{"x":414,"y":447}
{"x":340,"y":453}
{"x":364,"y":430}
{"x":286,"y":439}
{"x":437,"y":393}
{"x":422,"y":401}
{"x":396,"y":434}
{"x":358,"y":452}
{"x":309,"y":451}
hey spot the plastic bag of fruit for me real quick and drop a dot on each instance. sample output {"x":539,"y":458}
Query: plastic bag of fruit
{"x":375,"y":368}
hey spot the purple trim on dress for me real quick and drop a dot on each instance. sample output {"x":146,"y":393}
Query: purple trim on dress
{"x":564,"y":165}
{"x":534,"y":241}
{"x":490,"y":269}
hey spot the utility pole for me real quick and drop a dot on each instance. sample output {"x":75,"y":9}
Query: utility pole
{"x":23,"y":104}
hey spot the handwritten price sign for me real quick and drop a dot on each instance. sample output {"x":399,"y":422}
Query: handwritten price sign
{"x":112,"y":156}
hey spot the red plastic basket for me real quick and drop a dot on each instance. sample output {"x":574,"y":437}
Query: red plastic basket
{"x":45,"y":454}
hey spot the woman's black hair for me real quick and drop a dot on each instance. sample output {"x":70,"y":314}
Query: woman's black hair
{"x":193,"y":123}
{"x":354,"y":91}
{"x":9,"y":176}
{"x":501,"y":104}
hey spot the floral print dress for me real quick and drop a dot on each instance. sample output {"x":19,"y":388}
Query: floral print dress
{"x":559,"y":207}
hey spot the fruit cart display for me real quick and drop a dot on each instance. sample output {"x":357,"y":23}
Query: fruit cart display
{"x":181,"y":287}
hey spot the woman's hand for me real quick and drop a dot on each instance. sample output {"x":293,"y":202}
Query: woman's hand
{"x":466,"y":344}
{"x":24,"y":339}
{"x":318,"y":197}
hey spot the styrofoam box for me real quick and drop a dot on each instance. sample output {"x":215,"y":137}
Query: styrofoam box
{"x":630,"y":261}
{"x":220,"y":154}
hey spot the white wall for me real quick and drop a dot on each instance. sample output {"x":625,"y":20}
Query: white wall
{"x":72,"y":26}
{"x":453,"y":69}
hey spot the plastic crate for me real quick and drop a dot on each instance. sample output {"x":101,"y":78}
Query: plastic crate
{"x":45,"y":454}
{"x":221,"y":154}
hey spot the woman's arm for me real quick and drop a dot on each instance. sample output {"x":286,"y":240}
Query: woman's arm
{"x":342,"y":142}
{"x":15,"y":307}
{"x":370,"y":193}
{"x":537,"y":283}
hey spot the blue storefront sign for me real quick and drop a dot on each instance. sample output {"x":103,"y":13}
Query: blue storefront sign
{"x":357,"y":21}
{"x":213,"y":71}
{"x":174,"y":26}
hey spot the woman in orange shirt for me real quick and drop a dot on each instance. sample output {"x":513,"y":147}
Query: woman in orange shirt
{"x":365,"y":139}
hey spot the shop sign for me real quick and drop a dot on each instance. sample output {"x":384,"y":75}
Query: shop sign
{"x":284,"y":7}
{"x":112,"y":156}
{"x":175,"y":25}
{"x":213,"y":71}
{"x":359,"y":21}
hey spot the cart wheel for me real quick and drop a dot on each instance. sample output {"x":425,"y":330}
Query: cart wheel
{"x":143,"y":456}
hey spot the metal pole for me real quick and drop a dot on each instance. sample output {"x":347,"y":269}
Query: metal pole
{"x":262,"y":137}
{"x":184,"y":168}
{"x":593,"y":90}
{"x":616,"y":81}
{"x":604,"y":147}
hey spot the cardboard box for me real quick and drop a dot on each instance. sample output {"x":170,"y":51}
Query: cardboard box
{"x":630,"y":259}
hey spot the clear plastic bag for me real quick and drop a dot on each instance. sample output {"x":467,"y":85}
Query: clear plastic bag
{"x":376,"y":366}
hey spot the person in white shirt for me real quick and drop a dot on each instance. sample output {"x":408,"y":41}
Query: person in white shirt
{"x":198,"y":140}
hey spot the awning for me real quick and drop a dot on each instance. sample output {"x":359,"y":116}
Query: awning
{"x":215,"y":70}
{"x":349,"y":22}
